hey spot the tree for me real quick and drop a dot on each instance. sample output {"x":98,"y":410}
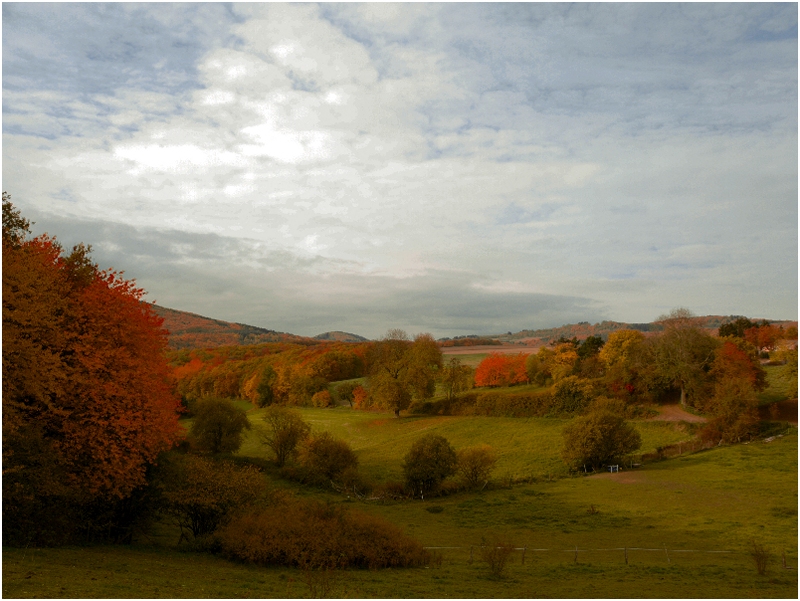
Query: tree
{"x":590,"y":347}
{"x":326,"y":457}
{"x":501,"y":370}
{"x":599,"y":438}
{"x":571,"y":394}
{"x":475,"y":464}
{"x":736,"y":328}
{"x":683,"y":355}
{"x":430,"y":460}
{"x":83,"y":366}
{"x":218,"y":426}
{"x":456,"y":378}
{"x":286,"y":430}
{"x":738,"y":376}
{"x":344,"y":391}
{"x":400,"y":370}
{"x":201,"y":493}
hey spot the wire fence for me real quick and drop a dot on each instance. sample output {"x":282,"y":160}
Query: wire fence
{"x":620,"y":553}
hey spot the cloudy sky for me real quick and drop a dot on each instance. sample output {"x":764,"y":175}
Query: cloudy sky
{"x":450,"y":168}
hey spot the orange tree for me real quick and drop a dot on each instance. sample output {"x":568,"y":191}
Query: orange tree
{"x":87,"y":401}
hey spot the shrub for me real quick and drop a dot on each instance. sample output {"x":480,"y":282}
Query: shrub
{"x":325,"y":457}
{"x":430,"y":460}
{"x":360,"y":398}
{"x":597,"y":439}
{"x":201,"y":493}
{"x":286,"y":430}
{"x":322,"y":399}
{"x":475,"y":465}
{"x":311,"y":535}
{"x":571,"y":394}
{"x":496,"y":554}
{"x":760,"y":556}
{"x":218,"y":425}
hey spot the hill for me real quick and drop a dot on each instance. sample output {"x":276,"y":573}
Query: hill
{"x":584,"y":329}
{"x":338,"y":336}
{"x":189,"y":330}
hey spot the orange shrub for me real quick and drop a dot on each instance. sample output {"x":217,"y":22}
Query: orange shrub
{"x":313,"y":535}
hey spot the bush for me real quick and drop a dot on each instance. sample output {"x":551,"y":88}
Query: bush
{"x":218,"y":425}
{"x":201,"y":493}
{"x":571,"y":394}
{"x":475,"y":465}
{"x":760,"y":556}
{"x":430,"y":460}
{"x":286,"y":430}
{"x":311,"y":535}
{"x":322,"y":399}
{"x":325,"y":457}
{"x":597,"y":439}
{"x":496,"y":554}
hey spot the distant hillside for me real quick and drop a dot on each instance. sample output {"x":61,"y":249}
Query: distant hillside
{"x":583,"y":329}
{"x":188,"y":330}
{"x":340,"y":337}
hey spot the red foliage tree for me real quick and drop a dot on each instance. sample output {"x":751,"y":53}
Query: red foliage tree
{"x":84,"y":375}
{"x":501,"y":370}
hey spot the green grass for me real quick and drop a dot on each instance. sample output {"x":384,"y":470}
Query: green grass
{"x":526,"y":447}
{"x":471,"y":359}
{"x":717,"y":500}
{"x":777,"y":389}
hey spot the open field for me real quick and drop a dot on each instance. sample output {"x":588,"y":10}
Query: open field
{"x":695,"y":507}
{"x":526,"y":447}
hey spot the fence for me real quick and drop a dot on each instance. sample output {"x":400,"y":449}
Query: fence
{"x":619,"y":553}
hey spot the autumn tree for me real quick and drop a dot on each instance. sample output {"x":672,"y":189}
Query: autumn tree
{"x":456,"y":377}
{"x":201,"y":494}
{"x":475,"y":465}
{"x":430,"y":460}
{"x":326,"y":457}
{"x":501,"y":370}
{"x":286,"y":430}
{"x":683,"y":354}
{"x":738,"y":377}
{"x":599,"y":438}
{"x":401,"y":370}
{"x":83,"y":365}
{"x":218,"y":425}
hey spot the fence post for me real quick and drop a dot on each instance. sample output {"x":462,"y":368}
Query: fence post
{"x":526,"y":548}
{"x":667,"y":554}
{"x":576,"y":554}
{"x":626,"y":555}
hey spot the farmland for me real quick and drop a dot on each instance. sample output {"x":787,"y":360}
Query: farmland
{"x":687,"y":523}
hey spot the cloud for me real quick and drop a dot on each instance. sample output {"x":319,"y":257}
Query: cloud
{"x":615,"y":157}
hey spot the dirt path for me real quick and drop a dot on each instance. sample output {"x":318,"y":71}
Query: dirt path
{"x":675,"y":413}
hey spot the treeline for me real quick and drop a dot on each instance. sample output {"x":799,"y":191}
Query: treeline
{"x":716,"y":375}
{"x":282,"y":373}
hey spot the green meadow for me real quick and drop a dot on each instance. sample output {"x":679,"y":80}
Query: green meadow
{"x":685,"y":524}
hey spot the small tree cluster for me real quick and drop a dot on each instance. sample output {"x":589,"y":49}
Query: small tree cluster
{"x":218,"y":426}
{"x":501,"y":370}
{"x":286,"y":429}
{"x":326,"y":458}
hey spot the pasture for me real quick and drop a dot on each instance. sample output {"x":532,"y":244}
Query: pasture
{"x":687,"y":522}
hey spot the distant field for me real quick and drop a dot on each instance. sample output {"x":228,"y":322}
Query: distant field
{"x":525,"y":446}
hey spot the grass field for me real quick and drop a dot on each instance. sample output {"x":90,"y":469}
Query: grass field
{"x":687,"y":523}
{"x":675,"y":517}
{"x":526,"y":447}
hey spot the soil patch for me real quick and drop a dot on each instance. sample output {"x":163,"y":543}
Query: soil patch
{"x":676,"y":413}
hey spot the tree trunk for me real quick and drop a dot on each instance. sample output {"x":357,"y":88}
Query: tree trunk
{"x":397,"y":412}
{"x":683,"y":396}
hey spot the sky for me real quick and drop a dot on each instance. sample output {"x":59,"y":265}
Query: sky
{"x":446,"y":168}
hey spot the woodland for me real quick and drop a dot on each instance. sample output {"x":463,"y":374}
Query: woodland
{"x":111,"y":437}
